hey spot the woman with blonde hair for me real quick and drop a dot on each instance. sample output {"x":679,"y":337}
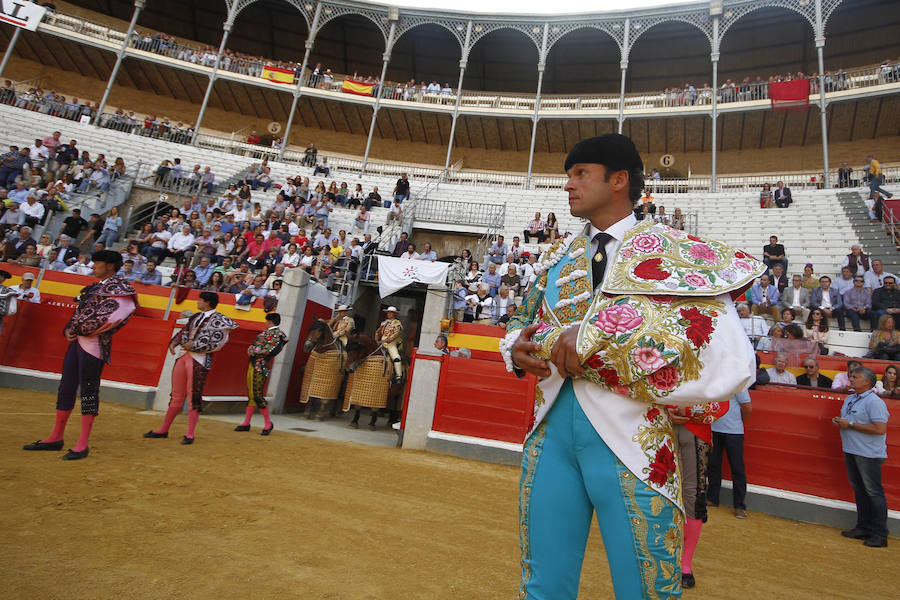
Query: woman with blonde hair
{"x":884,"y":344}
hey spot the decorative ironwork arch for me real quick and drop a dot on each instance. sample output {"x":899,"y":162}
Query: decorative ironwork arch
{"x":532,"y":31}
{"x":640,"y":25}
{"x":614,"y":29}
{"x":330,"y":12}
{"x":734,"y":12}
{"x":828,"y":7}
{"x":305,"y":7}
{"x":456,"y":27}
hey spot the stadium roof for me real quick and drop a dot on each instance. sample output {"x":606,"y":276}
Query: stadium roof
{"x":531,"y":6}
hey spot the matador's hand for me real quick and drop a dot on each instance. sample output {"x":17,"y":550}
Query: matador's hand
{"x":70,"y":335}
{"x":564,"y":356}
{"x":522,"y":352}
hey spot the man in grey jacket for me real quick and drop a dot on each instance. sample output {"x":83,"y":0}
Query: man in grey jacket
{"x":795,"y":297}
{"x":828,"y":300}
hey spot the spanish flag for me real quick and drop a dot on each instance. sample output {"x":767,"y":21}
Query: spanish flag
{"x":278,"y":75}
{"x":357,"y":87}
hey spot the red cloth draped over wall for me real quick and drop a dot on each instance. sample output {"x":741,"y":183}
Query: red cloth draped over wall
{"x":789,"y":96}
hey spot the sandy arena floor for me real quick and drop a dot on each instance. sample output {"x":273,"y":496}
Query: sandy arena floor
{"x":291,"y":516}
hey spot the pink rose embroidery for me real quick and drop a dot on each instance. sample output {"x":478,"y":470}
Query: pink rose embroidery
{"x":542,"y":327}
{"x":646,"y":243}
{"x":743,"y":265}
{"x":618,"y":319}
{"x":703,"y":252}
{"x":647,"y":358}
{"x":696,"y":280}
{"x":627,"y":253}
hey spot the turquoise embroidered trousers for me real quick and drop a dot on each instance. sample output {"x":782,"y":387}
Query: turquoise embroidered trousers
{"x":568,"y":474}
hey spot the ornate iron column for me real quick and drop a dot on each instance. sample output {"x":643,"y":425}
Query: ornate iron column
{"x":229,"y":22}
{"x":714,"y":57}
{"x":820,"y":46}
{"x":542,"y":62}
{"x":387,"y":57}
{"x":313,"y":30}
{"x":462,"y":71}
{"x":138,"y":7}
{"x":626,"y":49}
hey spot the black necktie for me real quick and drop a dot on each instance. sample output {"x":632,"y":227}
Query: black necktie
{"x":598,"y":262}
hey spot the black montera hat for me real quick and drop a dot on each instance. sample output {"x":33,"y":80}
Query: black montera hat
{"x":110,"y":257}
{"x":613,"y":150}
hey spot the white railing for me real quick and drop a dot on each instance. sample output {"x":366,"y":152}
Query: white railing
{"x":687,"y":97}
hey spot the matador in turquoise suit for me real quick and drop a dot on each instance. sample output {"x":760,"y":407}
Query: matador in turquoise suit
{"x":624,"y":319}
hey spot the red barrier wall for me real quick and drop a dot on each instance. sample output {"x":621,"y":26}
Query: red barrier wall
{"x":479,"y":398}
{"x":32,"y":339}
{"x":791,"y":444}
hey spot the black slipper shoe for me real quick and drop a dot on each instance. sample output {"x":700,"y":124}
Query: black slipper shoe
{"x":39,"y":445}
{"x":72,"y":455}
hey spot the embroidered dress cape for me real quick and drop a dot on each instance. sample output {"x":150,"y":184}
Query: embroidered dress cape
{"x":103,"y":308}
{"x":664,"y":331}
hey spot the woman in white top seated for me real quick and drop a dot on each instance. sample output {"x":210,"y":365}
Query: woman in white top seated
{"x":291,"y":258}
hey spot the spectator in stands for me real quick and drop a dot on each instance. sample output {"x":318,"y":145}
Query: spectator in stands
{"x":778,"y":279}
{"x":80,"y":266}
{"x":52,"y":262}
{"x":401,"y":189}
{"x":111,"y":226}
{"x":13,"y":248}
{"x":812,"y":377}
{"x":535,"y":229}
{"x":32,"y":210}
{"x":394,"y":214}
{"x":661,"y":216}
{"x":127,"y":271}
{"x":876,"y":178}
{"x":511,"y":280}
{"x":816,"y":329}
{"x":322,"y":167}
{"x":841,"y":381}
{"x":12,"y":218}
{"x":400,"y":246}
{"x":440,"y":344}
{"x":863,"y":424}
{"x":678,"y":220}
{"x":253,"y":138}
{"x":410,"y":253}
{"x":373,"y":199}
{"x":810,"y":280}
{"x":427,"y":253}
{"x":355,"y":199}
{"x":459,"y":300}
{"x":764,"y":298}
{"x":754,"y":326}
{"x":779,"y":373}
{"x":889,"y":386}
{"x":25,"y":291}
{"x":528,"y":274}
{"x":479,"y":306}
{"x":492,"y":279}
{"x":551,"y":227}
{"x":504,"y":319}
{"x":774,"y":253}
{"x":765,"y":196}
{"x":29,"y":258}
{"x":795,"y":296}
{"x":875,"y":277}
{"x":728,"y":437}
{"x":776,"y":332}
{"x":788,"y":317}
{"x":95,"y":228}
{"x":884,"y":343}
{"x":858,"y":304}
{"x":11,"y":165}
{"x":828,"y":300}
{"x":498,"y":251}
{"x":886,"y":300}
{"x":150,"y":276}
{"x":856,"y":260}
{"x":180,"y":245}
{"x":473,"y":275}
{"x":782,"y":195}
{"x":844,"y":175}
{"x":515,"y":252}
{"x":844,"y":282}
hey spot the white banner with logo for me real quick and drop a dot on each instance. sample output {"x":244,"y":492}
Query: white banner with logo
{"x":21,"y":14}
{"x":397,"y":273}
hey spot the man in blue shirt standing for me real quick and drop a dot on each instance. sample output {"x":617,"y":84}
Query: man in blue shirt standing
{"x":728,"y":436}
{"x":863,"y":424}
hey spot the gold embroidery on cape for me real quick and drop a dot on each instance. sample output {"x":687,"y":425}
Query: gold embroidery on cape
{"x":640,"y":531}
{"x":532,"y":452}
{"x":619,"y":278}
{"x":657,"y":324}
{"x":573,"y":312}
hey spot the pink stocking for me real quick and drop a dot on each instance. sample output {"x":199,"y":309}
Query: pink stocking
{"x":170,"y":417}
{"x":248,"y":415}
{"x":265,"y":414}
{"x":692,"y":529}
{"x":62,"y":417}
{"x":193,"y":417}
{"x":87,"y":421}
